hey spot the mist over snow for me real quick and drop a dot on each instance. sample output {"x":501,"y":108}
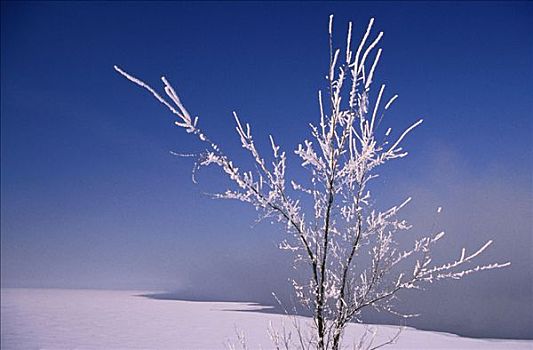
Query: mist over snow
{"x":96,"y":319}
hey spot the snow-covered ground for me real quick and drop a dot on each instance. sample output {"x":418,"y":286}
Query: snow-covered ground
{"x":94,"y":319}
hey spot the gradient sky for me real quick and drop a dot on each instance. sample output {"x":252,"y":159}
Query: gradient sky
{"x":92,"y":198}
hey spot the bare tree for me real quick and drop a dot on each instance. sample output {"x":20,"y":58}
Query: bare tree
{"x":348,"y":247}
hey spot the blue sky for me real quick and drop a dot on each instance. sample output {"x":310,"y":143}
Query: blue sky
{"x":92,"y":198}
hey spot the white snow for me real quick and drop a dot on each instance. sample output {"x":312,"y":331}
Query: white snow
{"x":102,"y":319}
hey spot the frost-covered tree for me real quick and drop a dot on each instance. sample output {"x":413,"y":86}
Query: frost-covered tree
{"x":347,"y":247}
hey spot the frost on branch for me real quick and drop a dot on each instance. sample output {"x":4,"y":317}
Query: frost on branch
{"x":349,"y":248}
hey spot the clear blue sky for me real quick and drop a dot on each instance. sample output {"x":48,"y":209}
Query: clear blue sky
{"x":92,"y":198}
